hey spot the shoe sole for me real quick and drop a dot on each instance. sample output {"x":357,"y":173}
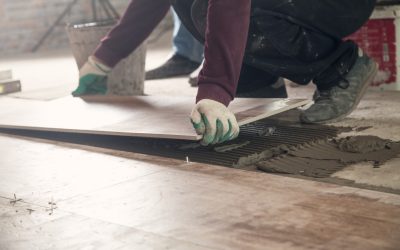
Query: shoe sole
{"x":364,"y":88}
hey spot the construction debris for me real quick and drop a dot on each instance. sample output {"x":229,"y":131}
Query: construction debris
{"x":8,"y":84}
{"x":15,"y":200}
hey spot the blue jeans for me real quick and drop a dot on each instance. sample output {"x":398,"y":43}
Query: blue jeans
{"x":185,"y":44}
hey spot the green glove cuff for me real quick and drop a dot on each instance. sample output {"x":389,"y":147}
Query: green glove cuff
{"x":91,"y":85}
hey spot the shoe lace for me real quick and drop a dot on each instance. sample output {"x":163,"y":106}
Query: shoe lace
{"x":326,"y":94}
{"x":322,"y":95}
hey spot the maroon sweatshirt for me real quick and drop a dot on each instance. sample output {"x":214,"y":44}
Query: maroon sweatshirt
{"x":226,"y":37}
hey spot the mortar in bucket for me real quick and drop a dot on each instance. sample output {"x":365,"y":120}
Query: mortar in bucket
{"x":127,"y":78}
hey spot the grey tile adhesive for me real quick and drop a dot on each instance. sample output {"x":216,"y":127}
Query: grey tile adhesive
{"x":272,"y":145}
{"x":324,"y":157}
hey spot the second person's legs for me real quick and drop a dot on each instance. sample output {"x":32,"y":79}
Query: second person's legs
{"x":184,"y":43}
{"x":187,"y":54}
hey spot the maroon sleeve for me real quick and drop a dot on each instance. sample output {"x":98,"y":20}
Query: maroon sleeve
{"x":138,"y":21}
{"x":226,"y":37}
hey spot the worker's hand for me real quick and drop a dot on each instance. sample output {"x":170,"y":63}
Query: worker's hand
{"x":92,"y":78}
{"x":214,"y":121}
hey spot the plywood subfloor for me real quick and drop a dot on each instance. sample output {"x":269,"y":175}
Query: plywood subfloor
{"x":147,"y":116}
{"x":119,"y":200}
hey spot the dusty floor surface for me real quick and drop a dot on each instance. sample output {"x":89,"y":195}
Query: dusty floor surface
{"x":378,"y":114}
{"x":67,"y":196}
{"x":381,"y":112}
{"x":55,"y":195}
{"x":51,"y":75}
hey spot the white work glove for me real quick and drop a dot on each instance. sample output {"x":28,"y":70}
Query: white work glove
{"x":92,"y":78}
{"x":214,"y":121}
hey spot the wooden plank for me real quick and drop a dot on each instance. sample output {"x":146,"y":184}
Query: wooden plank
{"x":9,"y":86}
{"x":181,"y":205}
{"x":148,"y":116}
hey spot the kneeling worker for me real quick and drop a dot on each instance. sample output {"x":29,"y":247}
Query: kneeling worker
{"x":301,"y":40}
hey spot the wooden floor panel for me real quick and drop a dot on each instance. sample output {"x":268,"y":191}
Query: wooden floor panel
{"x":148,"y":116}
{"x":243,"y":213}
{"x":154,"y":203}
{"x":36,"y":229}
{"x":38,"y":172}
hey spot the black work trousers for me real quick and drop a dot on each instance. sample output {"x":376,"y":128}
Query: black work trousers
{"x":301,"y":40}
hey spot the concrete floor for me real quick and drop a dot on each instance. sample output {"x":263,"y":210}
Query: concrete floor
{"x":380,"y":111}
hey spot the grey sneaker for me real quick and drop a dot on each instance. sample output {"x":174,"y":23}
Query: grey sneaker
{"x":336,"y":103}
{"x":177,"y":65}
